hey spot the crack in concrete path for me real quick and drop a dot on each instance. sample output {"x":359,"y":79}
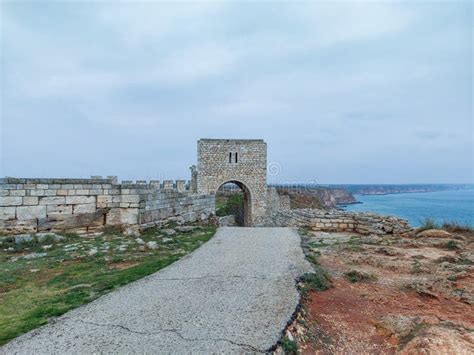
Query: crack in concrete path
{"x":176,"y":332}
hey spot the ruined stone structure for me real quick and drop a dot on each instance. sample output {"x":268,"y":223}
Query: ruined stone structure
{"x":338,"y":221}
{"x":239,"y":161}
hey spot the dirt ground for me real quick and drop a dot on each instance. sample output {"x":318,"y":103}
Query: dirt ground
{"x":406,"y":294}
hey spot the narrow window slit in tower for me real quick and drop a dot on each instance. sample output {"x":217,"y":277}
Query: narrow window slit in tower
{"x":236,"y":157}
{"x":230,"y":157}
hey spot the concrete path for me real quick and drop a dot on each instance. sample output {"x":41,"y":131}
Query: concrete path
{"x":236,"y":293}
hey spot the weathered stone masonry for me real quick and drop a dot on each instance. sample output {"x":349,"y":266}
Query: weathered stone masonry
{"x":88,"y":205}
{"x":339,"y":221}
{"x":241,"y":161}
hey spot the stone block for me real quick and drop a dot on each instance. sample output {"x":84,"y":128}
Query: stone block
{"x":16,"y":226}
{"x":122,"y":216}
{"x":23,"y":238}
{"x":84,"y":208}
{"x":74,"y":200}
{"x":58,"y":209}
{"x":36,"y":192}
{"x":102,"y":201}
{"x":42,"y":186}
{"x":130,"y":198}
{"x":7,"y":212}
{"x":62,"y":222}
{"x":4,"y":193}
{"x":50,"y":192}
{"x":62,"y":192}
{"x":11,"y":201}
{"x":30,"y":212}
{"x":82,"y":192}
{"x":30,"y":200}
{"x":17,"y":193}
{"x":58,"y":200}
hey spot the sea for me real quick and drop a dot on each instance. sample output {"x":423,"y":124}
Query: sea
{"x":441,"y":206}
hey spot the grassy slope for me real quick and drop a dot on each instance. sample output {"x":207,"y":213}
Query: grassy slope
{"x":33,"y":290}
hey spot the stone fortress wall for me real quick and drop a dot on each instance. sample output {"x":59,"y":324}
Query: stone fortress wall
{"x":88,"y":205}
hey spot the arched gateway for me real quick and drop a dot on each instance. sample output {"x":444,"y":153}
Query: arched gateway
{"x":240,"y":161}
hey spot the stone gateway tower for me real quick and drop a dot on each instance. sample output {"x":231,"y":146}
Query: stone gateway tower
{"x":240,"y":161}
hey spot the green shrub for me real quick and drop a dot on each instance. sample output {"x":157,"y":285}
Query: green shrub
{"x":289,"y":346}
{"x":358,"y":276}
{"x":451,"y":245}
{"x":318,"y":280}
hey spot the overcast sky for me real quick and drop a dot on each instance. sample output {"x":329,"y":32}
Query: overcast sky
{"x":347,"y":92}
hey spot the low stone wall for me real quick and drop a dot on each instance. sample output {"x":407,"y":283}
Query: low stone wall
{"x":339,"y":221}
{"x":88,"y":205}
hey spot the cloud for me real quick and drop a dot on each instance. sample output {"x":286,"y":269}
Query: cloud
{"x":329,"y":85}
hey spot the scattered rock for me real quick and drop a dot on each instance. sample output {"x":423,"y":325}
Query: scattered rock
{"x":42,"y":237}
{"x":91,"y":252}
{"x":132,"y":231}
{"x":23,"y":238}
{"x":141,"y":248}
{"x":388,"y":251}
{"x":35,"y":255}
{"x":152,"y":245}
{"x":168,"y":232}
{"x":140,"y":241}
{"x":34,"y":270}
{"x":371,"y":239}
{"x":398,"y":325}
{"x":122,"y":248}
{"x":46,"y":247}
{"x":441,"y":340}
{"x":434,"y":233}
{"x":167,"y":240}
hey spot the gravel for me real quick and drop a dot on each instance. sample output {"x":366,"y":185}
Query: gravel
{"x":236,"y":293}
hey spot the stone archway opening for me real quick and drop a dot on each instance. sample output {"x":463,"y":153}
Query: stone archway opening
{"x":241,"y":161}
{"x":233,"y":198}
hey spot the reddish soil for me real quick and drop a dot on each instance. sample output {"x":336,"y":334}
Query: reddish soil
{"x":414,"y":305}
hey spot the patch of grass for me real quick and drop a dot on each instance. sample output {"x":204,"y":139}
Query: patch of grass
{"x":312,"y":259}
{"x":112,"y":230}
{"x":457,"y":227}
{"x":451,"y":245}
{"x":354,"y":276}
{"x":289,"y":347}
{"x":31,"y":291}
{"x":318,"y":280}
{"x":428,"y":223}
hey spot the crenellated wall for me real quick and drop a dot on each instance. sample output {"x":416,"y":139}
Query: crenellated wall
{"x":88,"y":205}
